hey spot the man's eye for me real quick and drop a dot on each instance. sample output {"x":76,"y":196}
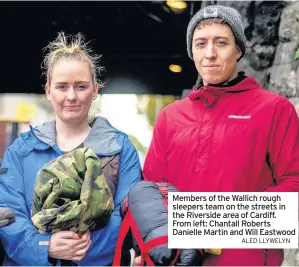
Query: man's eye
{"x":200,"y":44}
{"x":221,"y":43}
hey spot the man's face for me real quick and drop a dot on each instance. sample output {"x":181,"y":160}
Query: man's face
{"x":215,"y":53}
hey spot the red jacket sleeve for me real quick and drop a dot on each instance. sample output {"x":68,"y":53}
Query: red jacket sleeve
{"x":155,"y":165}
{"x":284,"y":148}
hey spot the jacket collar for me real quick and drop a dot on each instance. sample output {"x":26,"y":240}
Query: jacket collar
{"x":210,"y":94}
{"x":102,"y":138}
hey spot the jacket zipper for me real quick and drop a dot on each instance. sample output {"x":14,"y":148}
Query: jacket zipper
{"x":108,"y":161}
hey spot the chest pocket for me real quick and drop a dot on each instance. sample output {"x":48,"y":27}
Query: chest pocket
{"x":110,"y":168}
{"x":232,"y":134}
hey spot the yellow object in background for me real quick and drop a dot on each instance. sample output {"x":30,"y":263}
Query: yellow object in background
{"x":25,"y":112}
{"x":176,"y":4}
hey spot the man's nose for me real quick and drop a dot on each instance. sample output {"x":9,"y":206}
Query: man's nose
{"x":210,"y":51}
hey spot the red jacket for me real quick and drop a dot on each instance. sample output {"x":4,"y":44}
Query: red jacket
{"x":236,"y":139}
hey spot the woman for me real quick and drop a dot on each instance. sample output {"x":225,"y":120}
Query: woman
{"x":71,"y":86}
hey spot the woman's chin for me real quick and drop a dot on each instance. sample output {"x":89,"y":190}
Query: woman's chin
{"x":71,"y":118}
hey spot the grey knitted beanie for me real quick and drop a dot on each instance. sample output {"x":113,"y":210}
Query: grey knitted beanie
{"x":231,"y":17}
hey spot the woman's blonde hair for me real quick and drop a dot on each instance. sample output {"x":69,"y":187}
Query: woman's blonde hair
{"x":71,"y":47}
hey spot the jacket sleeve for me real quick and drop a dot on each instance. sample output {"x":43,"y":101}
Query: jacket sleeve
{"x":155,"y":165}
{"x":284,"y":148}
{"x":22,"y":242}
{"x":101,"y":251}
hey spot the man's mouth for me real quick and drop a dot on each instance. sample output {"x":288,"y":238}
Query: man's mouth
{"x":212,"y":66}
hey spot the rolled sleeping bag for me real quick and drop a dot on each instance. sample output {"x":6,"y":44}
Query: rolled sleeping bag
{"x":149,"y":211}
{"x":190,"y":257}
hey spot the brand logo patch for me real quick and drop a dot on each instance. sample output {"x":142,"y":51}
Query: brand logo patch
{"x":210,"y":12}
{"x":239,"y":117}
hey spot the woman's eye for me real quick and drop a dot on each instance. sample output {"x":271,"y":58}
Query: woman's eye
{"x":61,"y":87}
{"x":82,"y":86}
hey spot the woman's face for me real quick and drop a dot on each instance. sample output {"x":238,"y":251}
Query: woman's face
{"x":71,"y":90}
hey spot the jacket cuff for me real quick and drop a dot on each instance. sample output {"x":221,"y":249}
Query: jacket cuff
{"x":43,"y":249}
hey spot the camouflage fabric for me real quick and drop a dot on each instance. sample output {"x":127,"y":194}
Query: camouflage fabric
{"x":6,"y":216}
{"x":72,"y":194}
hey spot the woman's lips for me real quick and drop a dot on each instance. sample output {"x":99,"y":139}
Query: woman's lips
{"x":71,"y":107}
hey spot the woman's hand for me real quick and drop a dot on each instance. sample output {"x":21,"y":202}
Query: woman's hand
{"x":66,"y":245}
{"x":137,"y":261}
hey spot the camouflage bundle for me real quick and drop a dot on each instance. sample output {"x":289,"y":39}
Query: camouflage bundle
{"x":72,"y":194}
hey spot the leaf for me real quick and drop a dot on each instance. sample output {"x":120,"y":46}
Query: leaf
{"x":297,"y":54}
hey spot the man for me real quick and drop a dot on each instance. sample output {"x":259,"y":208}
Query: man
{"x":229,"y":135}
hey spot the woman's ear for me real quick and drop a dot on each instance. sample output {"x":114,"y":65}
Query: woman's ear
{"x":95,"y":91}
{"x":47,"y":87}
